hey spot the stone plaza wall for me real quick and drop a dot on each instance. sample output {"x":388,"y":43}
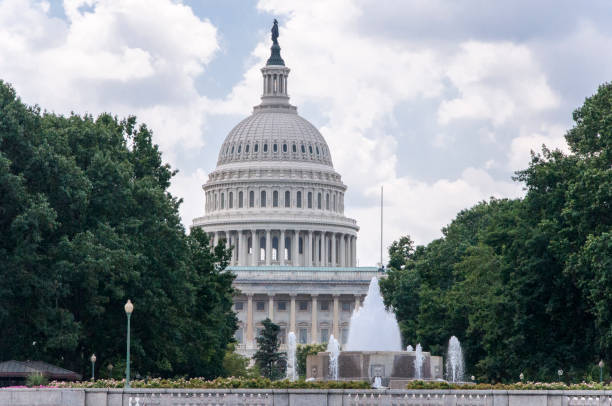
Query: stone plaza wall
{"x":298,"y":397}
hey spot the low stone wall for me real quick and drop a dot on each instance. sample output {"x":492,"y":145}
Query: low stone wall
{"x":298,"y":397}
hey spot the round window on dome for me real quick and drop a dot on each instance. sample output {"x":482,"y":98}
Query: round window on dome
{"x":309,"y":149}
{"x":265,"y":149}
{"x":294,"y":147}
{"x":275,"y":148}
{"x":246,"y":148}
{"x":303,"y":149}
{"x":256,"y":147}
{"x":284,"y":147}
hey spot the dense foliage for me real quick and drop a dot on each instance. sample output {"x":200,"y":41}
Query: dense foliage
{"x":86,"y":222}
{"x":219,"y":383}
{"x":270,"y":361}
{"x":525,"y":284}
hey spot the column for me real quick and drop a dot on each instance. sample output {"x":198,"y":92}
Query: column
{"x":336,"y":327}
{"x":268,"y":248}
{"x":255,"y":241}
{"x":357,"y":302}
{"x":295,"y":259}
{"x":249,"y":333}
{"x":354,"y":250}
{"x":241,"y":244}
{"x":342,"y":250}
{"x":292,"y":315}
{"x":315,"y":325}
{"x":271,"y":306}
{"x":308,"y":249}
{"x":281,"y":247}
{"x":318,"y":246}
{"x":325,"y":249}
{"x":215,"y":239}
{"x":333,"y":249}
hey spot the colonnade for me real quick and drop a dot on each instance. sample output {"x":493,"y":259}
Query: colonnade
{"x":258,"y":247}
{"x":292,"y":324}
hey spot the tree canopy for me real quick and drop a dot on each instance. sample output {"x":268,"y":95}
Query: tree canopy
{"x":525,"y":283}
{"x":86,"y":222}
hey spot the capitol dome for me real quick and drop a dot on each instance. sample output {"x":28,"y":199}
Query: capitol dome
{"x":274,"y":195}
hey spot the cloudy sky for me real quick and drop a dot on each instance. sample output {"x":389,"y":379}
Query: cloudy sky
{"x":439,"y":101}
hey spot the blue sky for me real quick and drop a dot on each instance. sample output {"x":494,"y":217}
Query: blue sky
{"x":440,"y":101}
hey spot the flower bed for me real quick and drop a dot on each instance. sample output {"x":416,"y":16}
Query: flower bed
{"x":513,"y":386}
{"x":219,"y":383}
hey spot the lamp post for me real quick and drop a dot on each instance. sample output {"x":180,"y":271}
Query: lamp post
{"x":93,"y":364}
{"x":560,"y":373}
{"x":129,"y":308}
{"x":601,"y":365}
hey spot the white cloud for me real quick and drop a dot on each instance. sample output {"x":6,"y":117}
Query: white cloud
{"x":496,"y":82}
{"x":520,"y":151}
{"x":128,"y":57}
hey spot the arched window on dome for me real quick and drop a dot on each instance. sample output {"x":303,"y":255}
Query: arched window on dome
{"x":275,"y":148}
{"x":246,"y":148}
{"x":262,"y":199}
{"x":240,"y":198}
{"x":232,"y":149}
{"x":275,"y":198}
{"x":303,"y":149}
{"x":230,"y":202}
{"x":274,"y":248}
{"x":251,"y":199}
{"x":287,"y":253}
{"x":316,"y":148}
{"x":319,"y":198}
{"x":284,"y":147}
{"x":294,"y":148}
{"x":265,"y":148}
{"x":298,"y":199}
{"x":334,"y":199}
{"x":256,"y":148}
{"x":287,"y":198}
{"x":239,"y":147}
{"x":301,"y":246}
{"x":309,"y":149}
{"x":310,"y":200}
{"x":262,"y":249}
{"x":327,"y":201}
{"x":216,"y":201}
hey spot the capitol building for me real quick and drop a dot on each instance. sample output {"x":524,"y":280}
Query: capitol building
{"x":276,"y":198}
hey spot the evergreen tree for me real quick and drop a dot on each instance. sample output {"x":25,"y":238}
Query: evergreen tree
{"x":270,"y":361}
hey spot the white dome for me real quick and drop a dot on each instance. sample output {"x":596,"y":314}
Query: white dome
{"x":274,"y":135}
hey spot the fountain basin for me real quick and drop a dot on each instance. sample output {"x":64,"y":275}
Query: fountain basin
{"x":393,"y":367}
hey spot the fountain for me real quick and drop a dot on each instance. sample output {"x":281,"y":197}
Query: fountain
{"x":291,"y":361}
{"x":369,"y":321}
{"x":333,"y":348}
{"x":409,"y":349}
{"x":454,"y":361}
{"x":418,"y":362}
{"x":373,"y":351}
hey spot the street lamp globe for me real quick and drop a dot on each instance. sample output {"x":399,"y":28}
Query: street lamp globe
{"x":601,"y":364}
{"x":93,"y":358}
{"x":129,"y":307}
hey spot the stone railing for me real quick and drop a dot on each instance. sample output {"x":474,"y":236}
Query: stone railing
{"x":297,"y":397}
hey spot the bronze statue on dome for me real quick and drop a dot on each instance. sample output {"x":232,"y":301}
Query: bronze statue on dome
{"x":275,"y":32}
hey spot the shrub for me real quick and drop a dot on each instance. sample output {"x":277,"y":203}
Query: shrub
{"x":36,"y":379}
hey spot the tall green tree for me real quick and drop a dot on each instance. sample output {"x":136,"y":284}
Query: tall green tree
{"x":269,"y":359}
{"x":86,"y":222}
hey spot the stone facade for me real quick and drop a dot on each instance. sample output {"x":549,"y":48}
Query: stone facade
{"x":277,"y":200}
